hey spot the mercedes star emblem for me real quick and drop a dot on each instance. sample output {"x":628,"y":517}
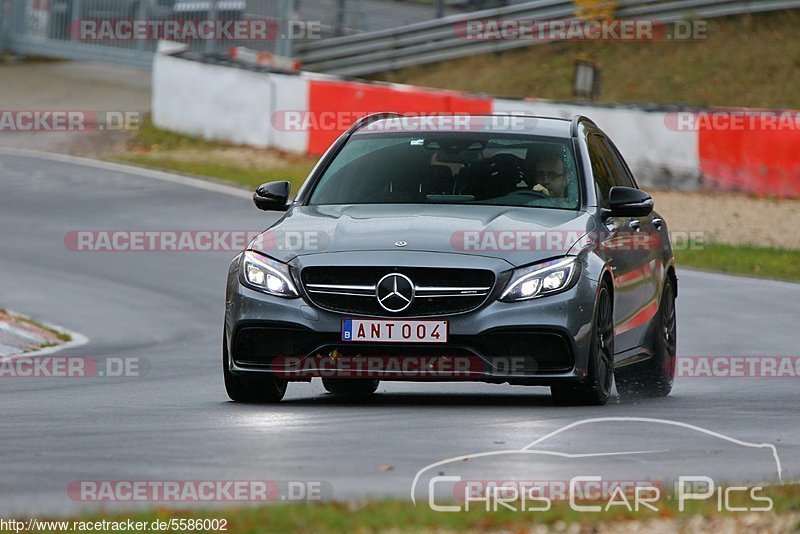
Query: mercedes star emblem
{"x":395,"y":292}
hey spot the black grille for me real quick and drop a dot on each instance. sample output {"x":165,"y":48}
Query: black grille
{"x":259,"y":345}
{"x":503,"y":352}
{"x":523,"y":351}
{"x":422,"y":276}
{"x":364,"y":302}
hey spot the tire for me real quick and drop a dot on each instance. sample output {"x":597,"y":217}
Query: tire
{"x":350,"y":386}
{"x":596,"y":389}
{"x":654,"y":377}
{"x":262,"y":388}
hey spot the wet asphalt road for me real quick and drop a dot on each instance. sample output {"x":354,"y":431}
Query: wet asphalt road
{"x":175,"y":422}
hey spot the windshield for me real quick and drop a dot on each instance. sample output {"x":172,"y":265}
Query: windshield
{"x":452,"y":168}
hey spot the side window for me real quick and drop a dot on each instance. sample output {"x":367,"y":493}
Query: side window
{"x":600,"y":168}
{"x":621,"y":173}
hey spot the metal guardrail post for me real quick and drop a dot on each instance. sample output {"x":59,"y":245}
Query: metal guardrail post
{"x":341,"y":15}
{"x":75,"y":14}
{"x":211,"y":44}
{"x":15,"y":21}
{"x":283,"y":47}
{"x":4,"y":25}
{"x":141,"y":14}
{"x":439,"y":9}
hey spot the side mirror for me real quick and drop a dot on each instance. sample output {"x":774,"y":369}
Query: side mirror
{"x":272,"y":196}
{"x":629,"y":202}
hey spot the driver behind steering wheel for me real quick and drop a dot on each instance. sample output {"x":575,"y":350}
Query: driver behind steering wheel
{"x":545,"y":165}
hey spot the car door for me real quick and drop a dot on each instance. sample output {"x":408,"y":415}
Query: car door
{"x":646,"y":246}
{"x":614,"y":238}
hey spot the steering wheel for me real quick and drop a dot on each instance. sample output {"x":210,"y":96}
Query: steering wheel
{"x":537,"y":194}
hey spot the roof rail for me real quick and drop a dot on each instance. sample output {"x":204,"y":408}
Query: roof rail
{"x":372,"y":117}
{"x":576,"y":120}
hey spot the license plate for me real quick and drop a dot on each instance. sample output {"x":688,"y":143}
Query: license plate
{"x":391,"y":331}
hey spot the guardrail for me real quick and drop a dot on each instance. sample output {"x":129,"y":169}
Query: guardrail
{"x":437,"y":40}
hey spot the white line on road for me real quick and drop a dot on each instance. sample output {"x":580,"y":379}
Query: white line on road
{"x":130,"y":169}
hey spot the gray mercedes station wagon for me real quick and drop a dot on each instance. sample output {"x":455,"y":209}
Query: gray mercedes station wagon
{"x":498,"y":248}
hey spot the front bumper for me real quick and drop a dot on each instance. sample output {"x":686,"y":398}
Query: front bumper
{"x":533,"y":342}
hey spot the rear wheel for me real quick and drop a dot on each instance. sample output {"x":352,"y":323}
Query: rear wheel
{"x":256,"y":388}
{"x":654,"y":377}
{"x":350,"y":387}
{"x":596,"y":389}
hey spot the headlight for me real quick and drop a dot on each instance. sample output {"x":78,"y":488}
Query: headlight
{"x":541,"y":279}
{"x":267,"y":275}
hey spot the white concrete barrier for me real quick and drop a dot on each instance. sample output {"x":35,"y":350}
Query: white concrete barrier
{"x":226,"y":104}
{"x":240,"y":106}
{"x":659,"y":157}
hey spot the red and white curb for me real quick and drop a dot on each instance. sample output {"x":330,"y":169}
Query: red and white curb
{"x":20,"y":336}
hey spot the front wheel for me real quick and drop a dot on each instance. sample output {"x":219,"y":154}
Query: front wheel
{"x":596,"y":389}
{"x":261,"y":388}
{"x":654,"y":377}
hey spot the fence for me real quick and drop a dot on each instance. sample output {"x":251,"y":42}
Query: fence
{"x":105,"y":30}
{"x":47,"y":27}
{"x":350,"y":37}
{"x":438,"y":40}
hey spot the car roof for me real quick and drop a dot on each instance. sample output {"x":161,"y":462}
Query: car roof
{"x":496,"y":123}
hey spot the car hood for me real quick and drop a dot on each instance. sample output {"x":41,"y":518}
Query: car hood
{"x":517,"y":235}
